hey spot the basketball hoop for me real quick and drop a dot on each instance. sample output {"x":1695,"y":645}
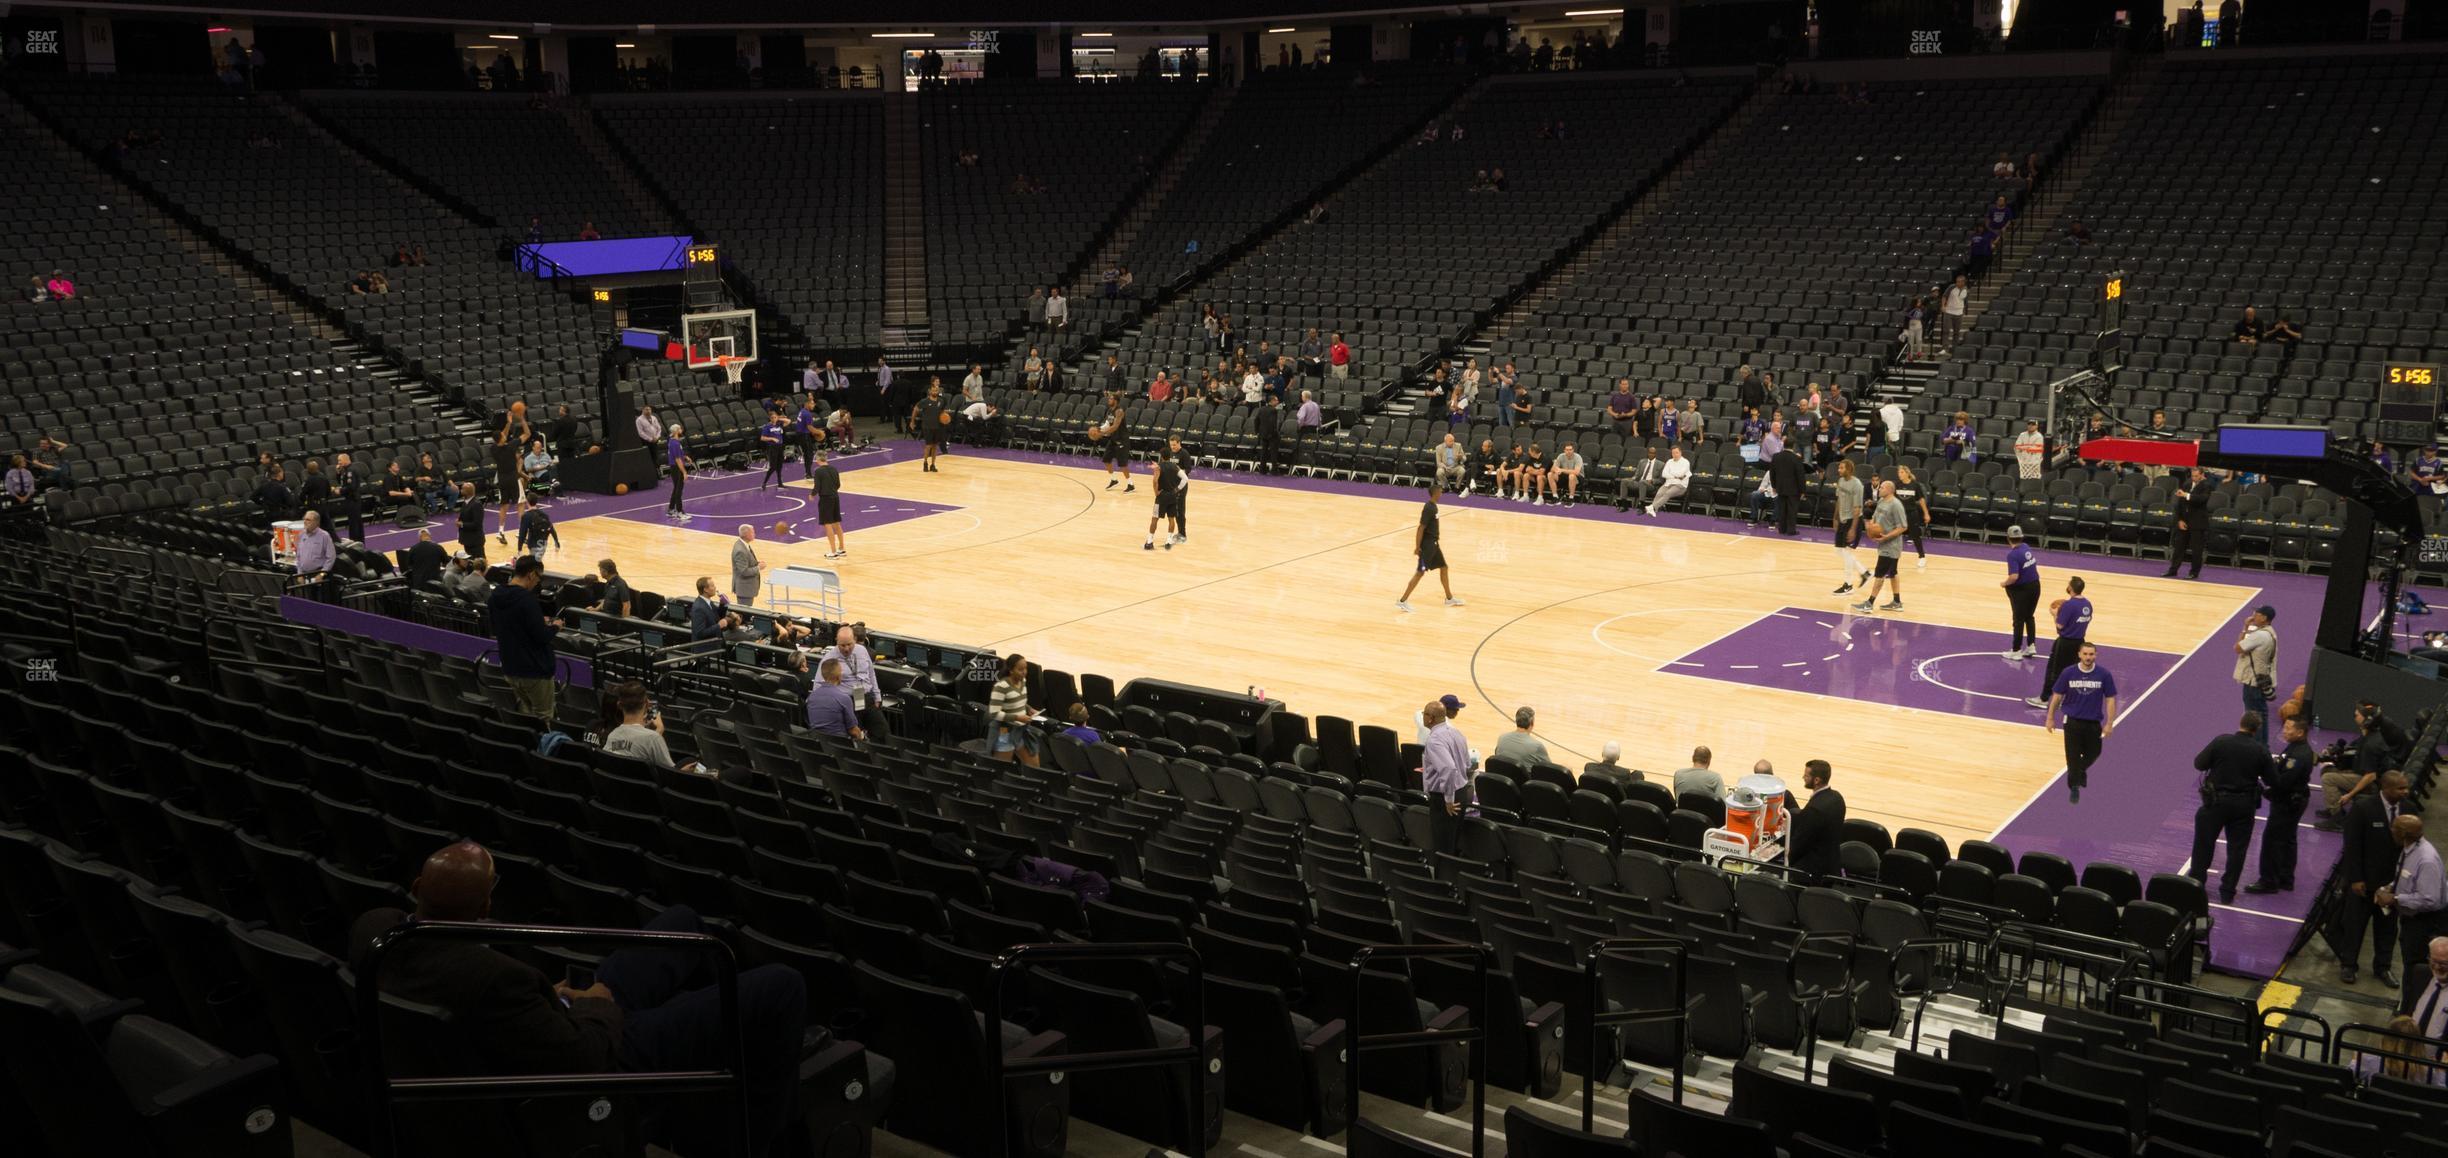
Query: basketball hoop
{"x":731,"y":366}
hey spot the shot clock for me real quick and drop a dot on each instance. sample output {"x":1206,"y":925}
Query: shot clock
{"x":2408,"y":414}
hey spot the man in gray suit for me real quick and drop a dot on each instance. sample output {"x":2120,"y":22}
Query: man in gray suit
{"x":747,"y":571}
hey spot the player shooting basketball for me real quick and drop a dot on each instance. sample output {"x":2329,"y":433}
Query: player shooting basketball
{"x":1113,"y":435}
{"x":506,"y":444}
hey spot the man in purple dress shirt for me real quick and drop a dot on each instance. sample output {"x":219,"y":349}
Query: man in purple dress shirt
{"x":314,"y":557}
{"x":829,"y":709}
{"x":1444,"y":775}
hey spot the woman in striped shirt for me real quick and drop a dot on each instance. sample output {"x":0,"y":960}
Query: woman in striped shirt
{"x":1008,"y":714}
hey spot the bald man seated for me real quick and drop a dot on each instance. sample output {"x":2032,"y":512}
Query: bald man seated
{"x":648,"y":1010}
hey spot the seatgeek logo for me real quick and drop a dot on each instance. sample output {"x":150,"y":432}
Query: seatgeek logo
{"x":42,"y":42}
{"x":1925,"y":42}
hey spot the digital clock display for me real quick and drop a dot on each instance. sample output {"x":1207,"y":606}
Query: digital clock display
{"x":2408,"y":413}
{"x":701,"y":255}
{"x":2422,"y":377}
{"x":2114,"y":290}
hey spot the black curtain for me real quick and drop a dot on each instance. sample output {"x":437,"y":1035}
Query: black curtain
{"x":2302,"y":21}
{"x":44,"y":33}
{"x":1439,"y":40}
{"x":2424,"y":19}
{"x":418,"y":58}
{"x":1887,"y":27}
{"x":295,"y":56}
{"x":1014,"y":57}
{"x":702,"y":62}
{"x":1351,"y":44}
{"x":164,"y":47}
{"x":2056,"y":24}
{"x":593,"y":64}
{"x":785,"y":61}
{"x":1744,"y":33}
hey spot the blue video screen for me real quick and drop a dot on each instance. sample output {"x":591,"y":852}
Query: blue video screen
{"x":604,"y":258}
{"x":2310,"y":442}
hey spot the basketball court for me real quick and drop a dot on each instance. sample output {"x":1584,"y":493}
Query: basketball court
{"x":1659,"y":634}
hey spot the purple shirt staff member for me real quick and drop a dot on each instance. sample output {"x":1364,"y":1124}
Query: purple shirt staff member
{"x":2022,"y":584}
{"x":1444,"y":775}
{"x":2086,"y":695}
{"x":828,"y":704}
{"x":2073,"y":626}
{"x":675,"y":455}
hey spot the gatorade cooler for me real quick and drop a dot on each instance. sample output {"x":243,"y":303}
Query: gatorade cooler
{"x":1746,"y":815}
{"x":285,"y":536}
{"x":1771,"y":793}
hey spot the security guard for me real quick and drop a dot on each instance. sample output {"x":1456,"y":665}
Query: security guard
{"x":2234,"y":767}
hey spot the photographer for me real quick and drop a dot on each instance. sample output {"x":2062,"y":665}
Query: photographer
{"x":2358,"y":762}
{"x":639,"y":735}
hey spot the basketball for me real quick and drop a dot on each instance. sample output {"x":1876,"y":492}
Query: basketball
{"x":781,"y":528}
{"x":1096,"y":434}
{"x":943,"y":418}
{"x":620,"y":488}
{"x":2056,"y":605}
{"x":518,"y":410}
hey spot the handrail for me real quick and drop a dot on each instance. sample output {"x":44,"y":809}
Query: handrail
{"x":2174,"y":1000}
{"x":1679,"y":1013}
{"x":1357,"y":1043}
{"x":386,"y":1089}
{"x":2271,"y":1033}
{"x":2427,"y":1054}
{"x":1896,"y":972}
{"x":2112,"y":958}
{"x":312,"y":636}
{"x":1000,"y":1069}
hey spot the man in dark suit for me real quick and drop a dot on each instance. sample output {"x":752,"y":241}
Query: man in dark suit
{"x":422,"y":564}
{"x":1785,"y":474}
{"x":2192,"y":534}
{"x":646,"y":1010}
{"x":1819,"y":826}
{"x":2370,"y":864}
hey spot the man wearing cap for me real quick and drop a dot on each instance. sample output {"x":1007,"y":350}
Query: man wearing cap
{"x":2022,"y":584}
{"x":2256,"y":666}
{"x":1444,"y":776}
{"x":2073,"y":624}
{"x":1453,"y":706}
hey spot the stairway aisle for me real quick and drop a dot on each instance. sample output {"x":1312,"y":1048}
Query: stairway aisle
{"x":906,"y":328}
{"x":1168,"y":176}
{"x":2039,"y":219}
{"x":650,"y":207}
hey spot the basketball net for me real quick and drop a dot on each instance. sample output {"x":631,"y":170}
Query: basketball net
{"x":732,"y":367}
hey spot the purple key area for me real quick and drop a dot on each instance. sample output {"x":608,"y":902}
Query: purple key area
{"x":1877,"y":659}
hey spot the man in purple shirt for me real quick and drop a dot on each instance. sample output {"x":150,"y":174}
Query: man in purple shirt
{"x":314,"y":557}
{"x":829,"y":709}
{"x":2073,"y":624}
{"x":1444,"y":775}
{"x":2086,"y":696}
{"x":676,"y":456}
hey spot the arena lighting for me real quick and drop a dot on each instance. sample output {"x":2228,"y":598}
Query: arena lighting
{"x":900,"y":35}
{"x":624,"y":46}
{"x":1096,"y":34}
{"x":1283,"y":30}
{"x":1593,"y":12}
{"x":499,"y":36}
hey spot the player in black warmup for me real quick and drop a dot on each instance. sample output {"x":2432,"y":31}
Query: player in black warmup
{"x":827,"y":484}
{"x":1181,"y":500}
{"x":1431,"y":554}
{"x":1169,"y":483}
{"x":1113,"y":437}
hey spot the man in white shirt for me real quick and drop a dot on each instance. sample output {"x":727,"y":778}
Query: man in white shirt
{"x":1678,"y":480}
{"x":1057,"y":309}
{"x":1951,"y":311}
{"x":649,"y":429}
{"x":2256,"y":653}
{"x":1449,"y":470}
{"x":859,"y":676}
{"x":1892,"y":417}
{"x":1640,"y":480}
{"x":973,"y":387}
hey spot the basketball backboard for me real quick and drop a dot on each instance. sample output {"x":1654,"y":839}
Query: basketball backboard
{"x":718,"y":334}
